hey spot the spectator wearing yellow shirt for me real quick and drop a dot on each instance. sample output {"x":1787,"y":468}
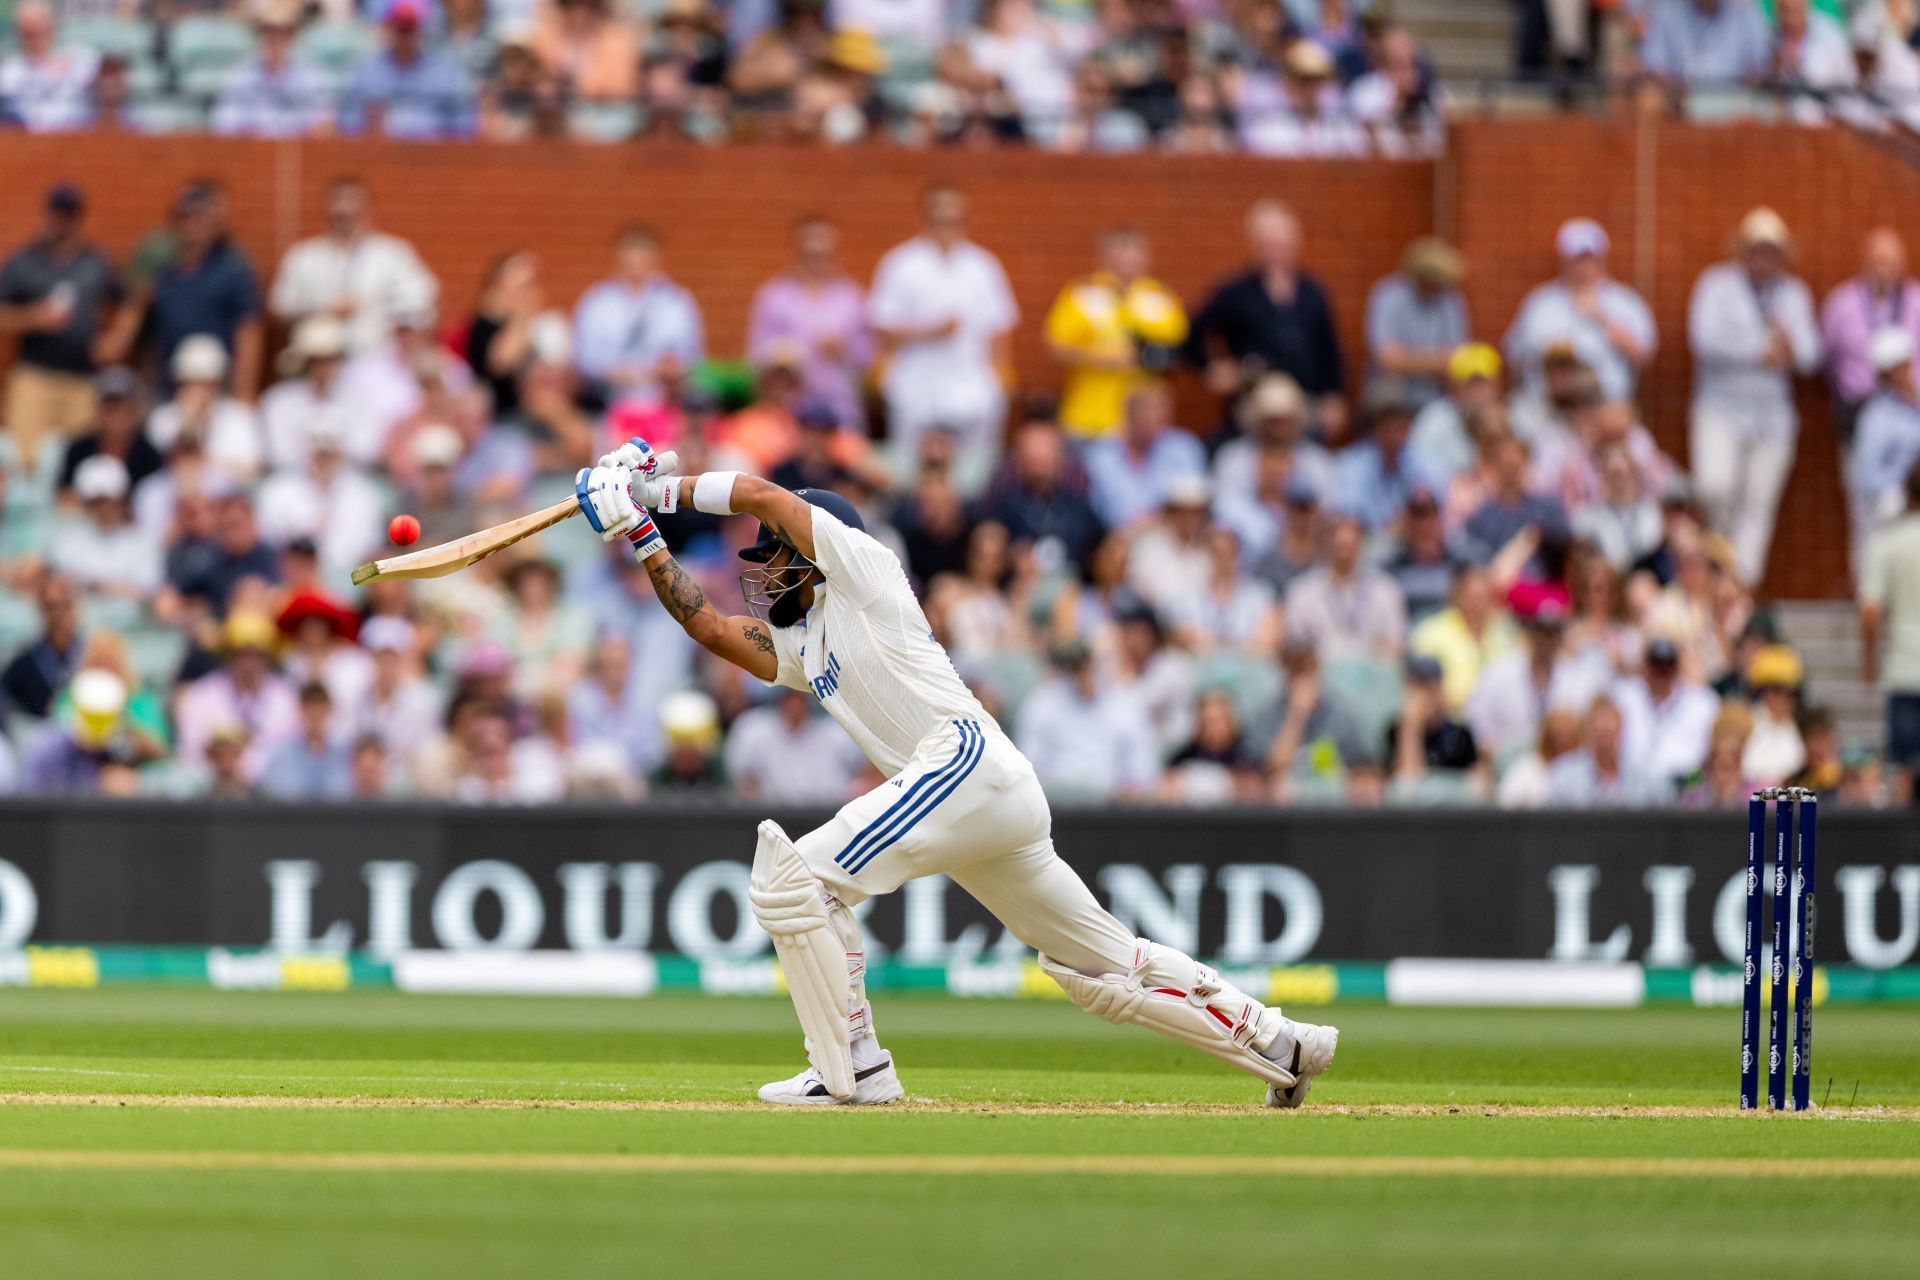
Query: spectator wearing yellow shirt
{"x":1112,"y":329}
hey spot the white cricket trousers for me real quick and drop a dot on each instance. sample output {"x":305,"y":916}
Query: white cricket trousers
{"x":968,"y":805}
{"x":1740,"y":465}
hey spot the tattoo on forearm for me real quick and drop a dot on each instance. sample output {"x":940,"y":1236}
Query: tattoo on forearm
{"x":761,"y":640}
{"x":680,"y":594}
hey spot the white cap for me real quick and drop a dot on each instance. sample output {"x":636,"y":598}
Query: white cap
{"x":327,"y":428}
{"x":315,"y":338}
{"x":1889,"y":348}
{"x":1189,"y":491}
{"x":385,"y":633}
{"x":200,"y":358}
{"x":1579,"y":237}
{"x":101,"y":476}
{"x":437,"y":445}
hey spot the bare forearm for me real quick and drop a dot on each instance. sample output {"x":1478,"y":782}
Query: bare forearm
{"x":680,"y":595}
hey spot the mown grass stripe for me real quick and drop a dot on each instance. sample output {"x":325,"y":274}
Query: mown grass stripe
{"x":1141,"y":1166}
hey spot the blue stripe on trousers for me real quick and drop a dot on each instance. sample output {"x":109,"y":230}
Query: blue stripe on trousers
{"x":901,"y":808}
{"x":978,"y":748}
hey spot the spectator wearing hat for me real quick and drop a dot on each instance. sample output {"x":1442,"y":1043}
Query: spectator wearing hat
{"x":1417,"y":319}
{"x":1305,"y":114}
{"x":1883,"y":296}
{"x":1131,"y":473}
{"x":205,"y":287}
{"x":87,"y":748}
{"x":1667,"y":715}
{"x":1374,"y":474}
{"x":1886,"y":444}
{"x":1890,"y":612}
{"x":1087,"y":739}
{"x":1427,"y":738}
{"x":1273,"y":317}
{"x":1566,"y":389}
{"x":310,"y":384}
{"x":313,"y":764}
{"x":1133,"y":653}
{"x":1259,"y":515}
{"x":1752,"y":328}
{"x":37,"y":672}
{"x":637,"y":333}
{"x":944,"y":315}
{"x":1602,"y":322}
{"x":1113,"y":329}
{"x":245,"y":690}
{"x":1170,"y":552}
{"x":226,"y":431}
{"x":1298,"y":546}
{"x":1349,"y":609}
{"x":1273,"y":414}
{"x":54,"y":292}
{"x":693,"y":764}
{"x":44,"y":81}
{"x":815,"y":307}
{"x":1603,"y":770}
{"x":1774,"y":750}
{"x":1516,"y":691}
{"x":328,"y":499}
{"x":104,"y":552}
{"x":117,"y":433}
{"x":399,"y":707}
{"x":1716,"y":44}
{"x":321,"y":633}
{"x":1439,"y":443}
{"x":352,"y":273}
{"x":409,"y":88}
{"x":275,"y":93}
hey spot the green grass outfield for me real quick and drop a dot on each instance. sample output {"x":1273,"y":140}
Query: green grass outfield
{"x":158,"y":1133}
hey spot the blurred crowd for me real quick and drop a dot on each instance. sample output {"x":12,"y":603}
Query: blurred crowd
{"x":1303,"y":77}
{"x":1275,"y":77}
{"x":1806,"y":60}
{"x":1202,"y":566}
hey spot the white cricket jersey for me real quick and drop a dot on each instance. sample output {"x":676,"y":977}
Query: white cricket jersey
{"x":866,"y":653}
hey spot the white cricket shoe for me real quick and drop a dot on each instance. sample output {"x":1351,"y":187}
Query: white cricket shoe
{"x":1313,"y":1047}
{"x":872,"y":1086}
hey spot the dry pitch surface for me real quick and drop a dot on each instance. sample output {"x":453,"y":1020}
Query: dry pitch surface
{"x":176,"y":1133}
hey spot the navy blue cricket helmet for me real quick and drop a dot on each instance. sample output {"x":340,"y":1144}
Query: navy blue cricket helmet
{"x":827,"y":500}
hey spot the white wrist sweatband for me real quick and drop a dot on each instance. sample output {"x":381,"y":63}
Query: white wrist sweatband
{"x":713,"y":492}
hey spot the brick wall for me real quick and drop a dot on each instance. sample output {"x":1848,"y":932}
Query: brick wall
{"x":1668,"y":193}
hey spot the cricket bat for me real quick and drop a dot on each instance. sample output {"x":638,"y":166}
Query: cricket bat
{"x":450,"y":557}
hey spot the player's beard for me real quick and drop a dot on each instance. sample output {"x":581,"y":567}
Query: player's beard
{"x":785,"y":609}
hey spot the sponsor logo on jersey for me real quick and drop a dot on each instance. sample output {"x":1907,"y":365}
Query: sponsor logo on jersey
{"x":827,"y":683}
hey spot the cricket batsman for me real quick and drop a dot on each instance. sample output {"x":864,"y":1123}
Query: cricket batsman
{"x":833,"y":614}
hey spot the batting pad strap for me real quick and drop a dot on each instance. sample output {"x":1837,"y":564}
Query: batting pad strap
{"x":791,"y":906}
{"x":713,"y":492}
{"x":1178,"y":997}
